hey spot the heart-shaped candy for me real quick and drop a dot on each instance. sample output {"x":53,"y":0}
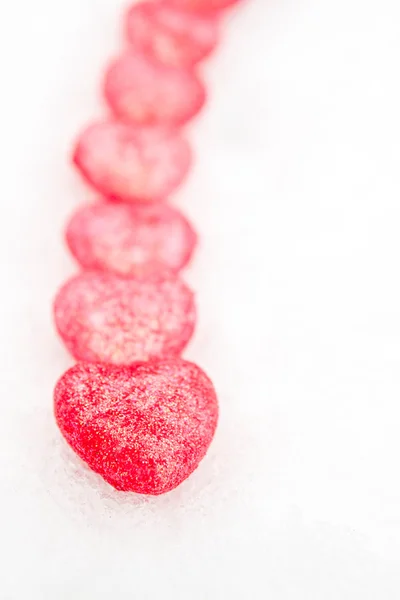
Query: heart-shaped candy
{"x":130,"y":239}
{"x":103,"y":317}
{"x":128,"y":163}
{"x":142,"y":91}
{"x":143,"y":428}
{"x":170,"y":35}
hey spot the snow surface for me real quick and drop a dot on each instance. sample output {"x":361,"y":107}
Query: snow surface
{"x":296,"y":196}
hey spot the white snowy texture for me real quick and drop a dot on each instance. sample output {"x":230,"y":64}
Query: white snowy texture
{"x":296,"y":197}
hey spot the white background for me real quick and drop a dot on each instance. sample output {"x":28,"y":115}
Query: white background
{"x":296,"y":196}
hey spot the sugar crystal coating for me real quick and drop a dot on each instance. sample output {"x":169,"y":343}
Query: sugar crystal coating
{"x":130,"y":239}
{"x":143,"y":428}
{"x":103,"y":317}
{"x":132,"y":164}
{"x":173,"y":36}
{"x":142,"y":91}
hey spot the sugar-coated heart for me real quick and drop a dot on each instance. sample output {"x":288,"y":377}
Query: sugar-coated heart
{"x":103,"y":317}
{"x":142,"y":91}
{"x":130,"y":239}
{"x":128,"y":163}
{"x":170,"y":35}
{"x":143,"y":428}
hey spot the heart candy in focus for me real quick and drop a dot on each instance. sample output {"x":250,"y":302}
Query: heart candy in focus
{"x":103,"y":317}
{"x":143,"y":428}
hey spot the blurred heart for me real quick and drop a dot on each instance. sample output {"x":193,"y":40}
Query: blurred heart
{"x":103,"y":317}
{"x":128,"y":163}
{"x":172,"y":36}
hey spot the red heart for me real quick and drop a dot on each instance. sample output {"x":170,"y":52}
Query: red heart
{"x":143,"y":428}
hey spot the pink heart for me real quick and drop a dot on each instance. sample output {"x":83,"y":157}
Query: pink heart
{"x":103,"y":317}
{"x":129,"y":163}
{"x":172,"y":36}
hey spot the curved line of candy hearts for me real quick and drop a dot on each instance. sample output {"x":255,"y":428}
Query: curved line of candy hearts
{"x":131,"y":408}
